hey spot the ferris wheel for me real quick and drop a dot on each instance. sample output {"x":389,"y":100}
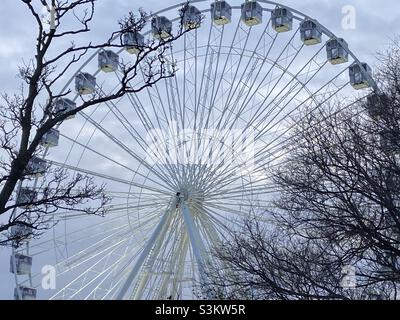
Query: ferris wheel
{"x":185,"y":161}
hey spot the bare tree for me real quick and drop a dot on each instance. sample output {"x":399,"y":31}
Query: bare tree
{"x":29,"y":114}
{"x":338,"y":208}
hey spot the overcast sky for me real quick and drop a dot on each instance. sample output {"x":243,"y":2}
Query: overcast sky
{"x":376,"y":24}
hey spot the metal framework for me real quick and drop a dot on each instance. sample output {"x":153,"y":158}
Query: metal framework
{"x":185,"y":160}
